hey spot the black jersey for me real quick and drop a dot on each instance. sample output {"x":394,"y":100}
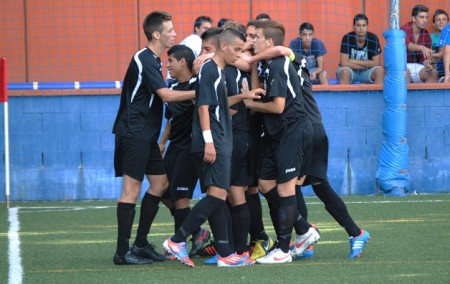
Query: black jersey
{"x":141,"y":109}
{"x":212,"y":91}
{"x":179,"y":115}
{"x":311,"y":107}
{"x":234,"y":77}
{"x":280,"y":79}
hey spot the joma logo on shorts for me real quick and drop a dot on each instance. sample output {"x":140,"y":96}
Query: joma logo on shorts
{"x":290,"y":170}
{"x":182,"y":189}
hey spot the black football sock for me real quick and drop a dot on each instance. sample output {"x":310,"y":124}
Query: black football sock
{"x":273,"y":202}
{"x":221,"y":227}
{"x":240,"y":216}
{"x":149,"y":208}
{"x":179,"y":215}
{"x":301,"y":204}
{"x":198,"y":215}
{"x":286,"y":218}
{"x":256,"y":230}
{"x":125,"y":217}
{"x":336,"y":207}
{"x":301,"y":226}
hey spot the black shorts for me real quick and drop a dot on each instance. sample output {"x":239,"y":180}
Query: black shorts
{"x":136,"y":158}
{"x":288,"y":157}
{"x":242,"y":168}
{"x":318,"y":171}
{"x":181,"y":173}
{"x":217,"y":174}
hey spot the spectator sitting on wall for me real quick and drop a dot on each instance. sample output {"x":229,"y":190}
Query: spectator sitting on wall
{"x":444,"y":44}
{"x":360,"y":55}
{"x":313,"y":49}
{"x":194,"y":41}
{"x":418,"y":47}
{"x":440,"y":20}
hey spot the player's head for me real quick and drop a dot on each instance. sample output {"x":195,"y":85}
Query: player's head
{"x":419,"y":16}
{"x":440,"y":19}
{"x":158,"y":26}
{"x":268,"y":34}
{"x":234,"y":25}
{"x":209,"y":40}
{"x":181,"y":58}
{"x":306,"y":33}
{"x":360,"y":24}
{"x":222,"y":22}
{"x":250,"y":32}
{"x":201,"y":24}
{"x":263,"y":17}
{"x":231,"y":44}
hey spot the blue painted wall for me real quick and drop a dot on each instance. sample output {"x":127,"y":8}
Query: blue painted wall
{"x":61,"y":147}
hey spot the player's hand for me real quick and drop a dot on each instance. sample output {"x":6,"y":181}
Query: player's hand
{"x":313,"y":76}
{"x":198,"y":62}
{"x":210,"y":153}
{"x":253,"y":94}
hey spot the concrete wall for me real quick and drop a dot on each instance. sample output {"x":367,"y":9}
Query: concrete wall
{"x":61,"y":147}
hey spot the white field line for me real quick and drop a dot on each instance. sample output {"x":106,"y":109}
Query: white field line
{"x":32,"y":209}
{"x":15,"y":260}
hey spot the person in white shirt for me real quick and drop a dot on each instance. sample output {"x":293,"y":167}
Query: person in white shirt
{"x":194,"y":41}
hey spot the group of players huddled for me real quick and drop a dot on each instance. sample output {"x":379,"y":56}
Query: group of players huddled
{"x":241,"y":119}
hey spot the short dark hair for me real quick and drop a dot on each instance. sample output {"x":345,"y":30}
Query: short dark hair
{"x":182,"y":51}
{"x":439,"y":12}
{"x":222,"y":22}
{"x":211,"y":32}
{"x":306,"y":26}
{"x":360,"y":17}
{"x":153,"y":22}
{"x":251,"y":23}
{"x":274,"y":30}
{"x":234,"y":25}
{"x":263,"y":16}
{"x":200,"y":20}
{"x":229,"y":34}
{"x":418,"y":9}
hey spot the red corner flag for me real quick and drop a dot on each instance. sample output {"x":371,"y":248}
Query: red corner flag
{"x":3,"y":84}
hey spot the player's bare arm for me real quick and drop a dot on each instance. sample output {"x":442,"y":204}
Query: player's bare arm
{"x":168,"y":95}
{"x":210,"y":150}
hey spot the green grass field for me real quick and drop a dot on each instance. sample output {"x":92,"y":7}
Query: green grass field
{"x":74,"y":242}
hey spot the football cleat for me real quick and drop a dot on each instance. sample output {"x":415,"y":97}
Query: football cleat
{"x":262,"y":248}
{"x":130,"y":259}
{"x":302,"y":242}
{"x":276,"y":256}
{"x":198,"y":241}
{"x":235,"y":260}
{"x":148,"y":251}
{"x":179,"y":251}
{"x":357,"y":244}
{"x":212,"y":260}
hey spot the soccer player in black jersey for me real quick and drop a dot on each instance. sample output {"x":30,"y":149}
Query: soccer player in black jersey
{"x":287,"y":137}
{"x":212,"y":149}
{"x":317,"y":175}
{"x":179,"y":163}
{"x":137,"y":128}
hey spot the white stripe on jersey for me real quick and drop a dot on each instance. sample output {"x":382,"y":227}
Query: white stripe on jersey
{"x":238,"y":77}
{"x":216,"y":84}
{"x":286,"y":70}
{"x":139,"y":65}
